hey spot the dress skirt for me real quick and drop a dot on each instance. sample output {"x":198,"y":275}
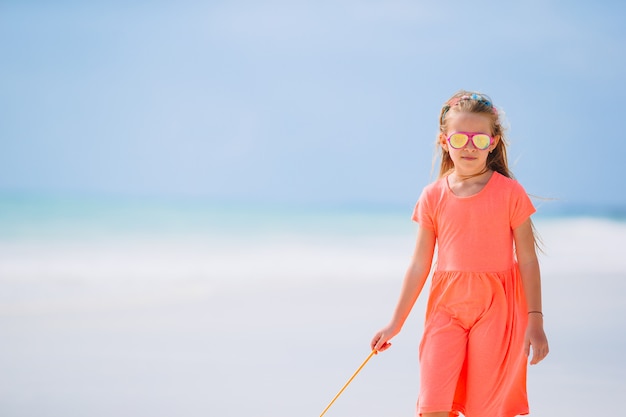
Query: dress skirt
{"x":472,"y":358}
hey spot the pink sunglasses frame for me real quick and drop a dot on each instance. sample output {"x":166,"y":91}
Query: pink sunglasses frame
{"x":470,"y":136}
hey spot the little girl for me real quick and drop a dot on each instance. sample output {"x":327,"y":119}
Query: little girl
{"x":484,"y":310}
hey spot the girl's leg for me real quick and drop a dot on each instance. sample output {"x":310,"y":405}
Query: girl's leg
{"x":438,"y":414}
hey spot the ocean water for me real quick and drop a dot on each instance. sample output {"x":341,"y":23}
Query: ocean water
{"x":162,"y":308}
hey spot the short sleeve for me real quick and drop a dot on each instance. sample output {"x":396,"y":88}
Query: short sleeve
{"x":521,"y":208}
{"x":422,"y":213}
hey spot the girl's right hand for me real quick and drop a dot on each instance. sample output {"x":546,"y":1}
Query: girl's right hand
{"x":380,"y":342}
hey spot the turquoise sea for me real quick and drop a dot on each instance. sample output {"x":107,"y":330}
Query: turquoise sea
{"x":126,"y":307}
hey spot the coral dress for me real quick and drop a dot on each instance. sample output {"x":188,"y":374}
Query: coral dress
{"x":472,"y":357}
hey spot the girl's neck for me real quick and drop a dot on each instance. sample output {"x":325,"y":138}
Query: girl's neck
{"x":468,"y":185}
{"x":479,"y":176}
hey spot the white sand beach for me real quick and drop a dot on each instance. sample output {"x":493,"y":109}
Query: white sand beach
{"x":272,"y":323}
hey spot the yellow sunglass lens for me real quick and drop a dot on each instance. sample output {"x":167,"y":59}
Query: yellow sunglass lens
{"x":481,"y":141}
{"x":458,"y":140}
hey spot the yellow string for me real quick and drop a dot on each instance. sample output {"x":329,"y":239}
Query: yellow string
{"x":350,"y":380}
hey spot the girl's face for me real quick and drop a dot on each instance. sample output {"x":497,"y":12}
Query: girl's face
{"x":468,"y":160}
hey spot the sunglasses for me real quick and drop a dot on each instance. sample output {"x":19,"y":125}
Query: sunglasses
{"x":458,"y":140}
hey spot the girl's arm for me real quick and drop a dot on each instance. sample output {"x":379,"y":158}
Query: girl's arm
{"x":531,"y":281}
{"x":414,"y":280}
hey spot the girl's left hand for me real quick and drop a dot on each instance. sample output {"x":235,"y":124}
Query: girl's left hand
{"x":536,"y":337}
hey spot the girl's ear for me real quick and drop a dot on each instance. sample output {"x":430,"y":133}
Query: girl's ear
{"x":442,"y":141}
{"x":496,"y":140}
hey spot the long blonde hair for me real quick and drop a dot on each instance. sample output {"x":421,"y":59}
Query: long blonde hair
{"x":474,"y":102}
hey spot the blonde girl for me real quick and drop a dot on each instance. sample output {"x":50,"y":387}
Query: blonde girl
{"x":484,"y":311}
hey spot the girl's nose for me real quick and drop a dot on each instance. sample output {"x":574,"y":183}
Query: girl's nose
{"x":470,"y":146}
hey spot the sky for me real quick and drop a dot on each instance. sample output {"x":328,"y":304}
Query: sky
{"x":305,"y":102}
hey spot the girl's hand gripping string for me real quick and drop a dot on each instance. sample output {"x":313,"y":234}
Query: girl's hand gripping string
{"x":380,"y":342}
